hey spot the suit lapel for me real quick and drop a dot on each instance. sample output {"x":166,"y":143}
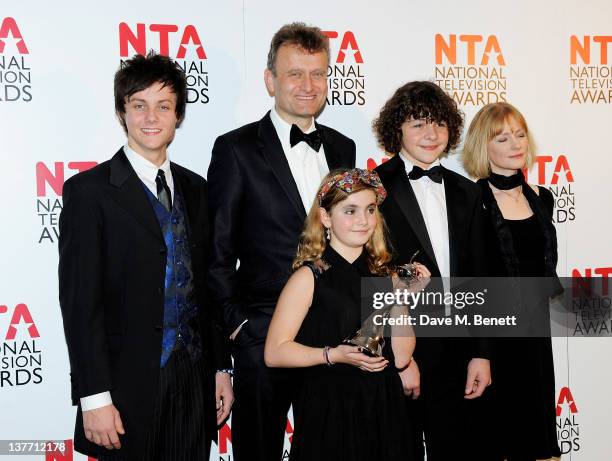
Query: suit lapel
{"x":130,"y":195}
{"x":272,"y":151}
{"x":456,"y":200}
{"x":332,"y":156}
{"x":402,"y":192}
{"x":190,"y":197}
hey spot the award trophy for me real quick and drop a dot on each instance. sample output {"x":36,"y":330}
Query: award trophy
{"x":370,"y":337}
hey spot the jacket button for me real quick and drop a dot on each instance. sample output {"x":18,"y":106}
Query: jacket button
{"x":158,"y":328}
{"x":160,"y":290}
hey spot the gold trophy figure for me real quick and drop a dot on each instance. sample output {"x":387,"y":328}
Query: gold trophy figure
{"x":370,"y":337}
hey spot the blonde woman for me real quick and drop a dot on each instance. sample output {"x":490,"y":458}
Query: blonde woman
{"x":348,"y":405}
{"x":521,"y":242}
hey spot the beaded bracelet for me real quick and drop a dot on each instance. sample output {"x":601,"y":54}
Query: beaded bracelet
{"x":229,"y":371}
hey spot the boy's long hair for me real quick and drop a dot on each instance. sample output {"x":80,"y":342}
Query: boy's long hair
{"x":313,"y":243}
{"x":140,"y":72}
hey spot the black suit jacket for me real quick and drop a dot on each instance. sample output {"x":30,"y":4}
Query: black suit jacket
{"x":257,"y":216}
{"x":408,"y":234}
{"x":111,"y":289}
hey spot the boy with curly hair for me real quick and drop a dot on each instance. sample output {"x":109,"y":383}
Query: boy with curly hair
{"x":436,"y":212}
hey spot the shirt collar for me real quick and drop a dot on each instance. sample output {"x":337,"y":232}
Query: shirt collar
{"x":145,"y":168}
{"x":409,"y":165}
{"x":283,"y":129}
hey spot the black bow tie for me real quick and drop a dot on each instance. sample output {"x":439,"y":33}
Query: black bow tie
{"x":434,"y":173}
{"x":312,"y":139}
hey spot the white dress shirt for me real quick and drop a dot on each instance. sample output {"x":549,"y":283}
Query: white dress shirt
{"x":431,"y":198}
{"x":146,"y":172}
{"x":308,"y":167}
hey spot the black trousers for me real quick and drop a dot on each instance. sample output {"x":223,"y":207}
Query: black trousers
{"x":445,"y":425}
{"x":178,"y":430}
{"x":259,"y":415}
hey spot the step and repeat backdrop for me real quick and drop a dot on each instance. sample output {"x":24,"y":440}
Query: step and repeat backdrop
{"x":552,"y":59}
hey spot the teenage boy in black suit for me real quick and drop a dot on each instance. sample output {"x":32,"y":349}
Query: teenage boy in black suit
{"x":143,"y":344}
{"x":438,"y":213}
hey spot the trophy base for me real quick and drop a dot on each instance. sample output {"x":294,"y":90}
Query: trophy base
{"x":369,"y":346}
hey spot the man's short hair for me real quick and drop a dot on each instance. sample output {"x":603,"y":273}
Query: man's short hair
{"x":308,"y":38}
{"x":140,"y":72}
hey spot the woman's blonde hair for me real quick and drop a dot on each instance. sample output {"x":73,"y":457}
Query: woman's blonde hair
{"x":488,"y":123}
{"x":312,"y":241}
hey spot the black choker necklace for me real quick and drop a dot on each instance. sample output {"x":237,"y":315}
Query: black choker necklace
{"x":506,"y":182}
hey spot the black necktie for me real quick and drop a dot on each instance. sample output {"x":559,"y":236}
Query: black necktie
{"x":163,"y":191}
{"x":312,"y":139}
{"x":434,"y":173}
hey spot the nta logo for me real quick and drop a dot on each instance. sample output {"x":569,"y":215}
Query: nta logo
{"x":470,"y":68}
{"x":583,"y":48}
{"x":189,"y":55}
{"x":566,"y":397}
{"x":561,"y":169}
{"x":555,"y":173}
{"x":138,"y":40}
{"x":48,"y":202}
{"x":21,"y":360}
{"x":584,"y":283}
{"x":56,"y":180}
{"x":9,"y":27}
{"x":448,"y":48}
{"x":371,"y":162}
{"x":345,"y":74}
{"x":590,"y":79}
{"x":224,"y":437}
{"x":21,"y":315}
{"x":348,"y":44}
{"x":568,"y":427}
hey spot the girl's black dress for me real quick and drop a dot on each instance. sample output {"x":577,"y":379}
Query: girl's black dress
{"x":524,"y":419}
{"x":341,"y":412}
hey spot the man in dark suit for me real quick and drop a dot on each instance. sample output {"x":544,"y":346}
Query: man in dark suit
{"x":263,"y":179}
{"x":438,"y":213}
{"x":133,"y":246}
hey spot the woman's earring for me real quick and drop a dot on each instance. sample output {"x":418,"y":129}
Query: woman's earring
{"x":327,"y":233}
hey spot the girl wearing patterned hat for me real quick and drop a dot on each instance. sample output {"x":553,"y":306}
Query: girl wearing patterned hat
{"x":348,"y":405}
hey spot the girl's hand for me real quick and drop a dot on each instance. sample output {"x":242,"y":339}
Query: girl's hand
{"x":411,"y":380}
{"x":421,"y":270}
{"x":352,"y":355}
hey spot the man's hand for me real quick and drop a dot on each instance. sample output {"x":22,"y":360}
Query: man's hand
{"x":411,"y":380}
{"x":224,"y":396}
{"x":102,"y":426}
{"x":478,"y":378}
